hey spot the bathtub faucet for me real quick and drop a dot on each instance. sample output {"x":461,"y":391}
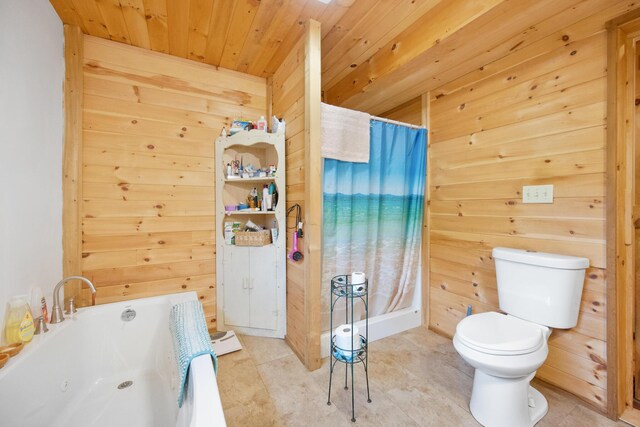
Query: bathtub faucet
{"x":56,"y":311}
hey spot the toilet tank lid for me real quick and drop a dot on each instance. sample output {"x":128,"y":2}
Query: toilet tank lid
{"x":541,"y":258}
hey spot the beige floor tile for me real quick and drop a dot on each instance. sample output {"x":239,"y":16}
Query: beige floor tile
{"x":582,"y":416}
{"x":228,"y":358}
{"x":430,"y":405}
{"x":265,"y":350}
{"x":416,"y":379}
{"x":438,"y":348}
{"x":239,"y":382}
{"x":294,"y":393}
{"x":433,"y":368}
{"x":333,"y":419}
{"x":424,"y":338}
{"x":253,"y":414}
{"x":381,"y":411}
{"x":391,"y":361}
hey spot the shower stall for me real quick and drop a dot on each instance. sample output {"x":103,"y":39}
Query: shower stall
{"x":372,"y":222}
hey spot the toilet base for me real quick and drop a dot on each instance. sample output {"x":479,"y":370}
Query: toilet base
{"x":506,"y":402}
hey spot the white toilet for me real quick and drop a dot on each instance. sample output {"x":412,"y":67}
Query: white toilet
{"x":538,"y":291}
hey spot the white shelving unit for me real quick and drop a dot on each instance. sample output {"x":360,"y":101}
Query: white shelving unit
{"x":251,"y":281}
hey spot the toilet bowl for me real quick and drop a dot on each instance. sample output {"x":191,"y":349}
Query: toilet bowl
{"x":506,"y":352}
{"x":537,"y":291}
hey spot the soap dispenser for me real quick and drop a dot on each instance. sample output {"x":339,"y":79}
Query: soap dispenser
{"x":19,"y":325}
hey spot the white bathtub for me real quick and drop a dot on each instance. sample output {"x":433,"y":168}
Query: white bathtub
{"x":70,"y":375}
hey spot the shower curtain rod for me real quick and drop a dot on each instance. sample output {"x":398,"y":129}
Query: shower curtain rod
{"x":395,"y":122}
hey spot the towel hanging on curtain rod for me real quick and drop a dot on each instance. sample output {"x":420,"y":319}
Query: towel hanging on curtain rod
{"x":395,"y":122}
{"x":344,"y":134}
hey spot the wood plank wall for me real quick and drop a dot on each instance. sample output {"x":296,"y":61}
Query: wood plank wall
{"x":288,"y":103}
{"x":72,"y":157}
{"x":409,"y":112}
{"x":148,"y":202}
{"x":313,"y":190}
{"x":296,"y":98}
{"x":536,"y":116}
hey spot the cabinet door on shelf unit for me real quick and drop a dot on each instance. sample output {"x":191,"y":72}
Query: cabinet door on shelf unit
{"x":264,"y":295}
{"x":236,"y":278}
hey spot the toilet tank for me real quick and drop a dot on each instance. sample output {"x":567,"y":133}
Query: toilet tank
{"x":543,"y":288}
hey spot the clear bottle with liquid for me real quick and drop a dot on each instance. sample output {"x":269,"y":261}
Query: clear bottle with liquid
{"x":19,"y":325}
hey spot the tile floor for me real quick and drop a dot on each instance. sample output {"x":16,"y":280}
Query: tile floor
{"x":416,"y":379}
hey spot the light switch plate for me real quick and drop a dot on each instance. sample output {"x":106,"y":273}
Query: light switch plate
{"x":537,"y":194}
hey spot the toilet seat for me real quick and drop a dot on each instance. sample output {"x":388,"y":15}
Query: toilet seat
{"x":499,"y":334}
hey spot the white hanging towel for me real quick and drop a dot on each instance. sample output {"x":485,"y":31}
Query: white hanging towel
{"x":345,"y":134}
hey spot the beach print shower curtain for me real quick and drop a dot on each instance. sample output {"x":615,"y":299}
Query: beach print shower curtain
{"x":372,"y":220}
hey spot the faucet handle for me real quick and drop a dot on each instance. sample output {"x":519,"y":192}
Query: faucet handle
{"x":41,"y":326}
{"x":71,"y":306}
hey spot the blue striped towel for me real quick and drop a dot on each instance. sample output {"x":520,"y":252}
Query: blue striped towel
{"x":190,"y":338}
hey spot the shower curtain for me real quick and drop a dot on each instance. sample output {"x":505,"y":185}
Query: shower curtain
{"x":372,"y":220}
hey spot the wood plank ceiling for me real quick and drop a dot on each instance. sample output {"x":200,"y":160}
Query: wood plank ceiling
{"x":376,"y":54}
{"x":251,"y":36}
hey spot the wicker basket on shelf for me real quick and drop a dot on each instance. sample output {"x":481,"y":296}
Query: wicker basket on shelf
{"x":253,"y":238}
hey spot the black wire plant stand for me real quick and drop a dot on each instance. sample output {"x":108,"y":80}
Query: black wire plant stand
{"x":341,"y":287}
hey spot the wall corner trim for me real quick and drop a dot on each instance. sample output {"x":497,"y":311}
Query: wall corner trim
{"x":313,"y":190}
{"x":72,"y":157}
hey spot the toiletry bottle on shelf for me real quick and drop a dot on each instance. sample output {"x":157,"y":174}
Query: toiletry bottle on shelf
{"x":265,"y":196}
{"x":262,"y":124}
{"x":254,"y":193}
{"x":272,"y":189}
{"x":19,"y":324}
